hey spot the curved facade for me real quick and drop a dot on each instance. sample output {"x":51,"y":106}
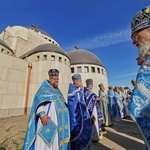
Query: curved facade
{"x":89,"y":66}
{"x":27,"y":53}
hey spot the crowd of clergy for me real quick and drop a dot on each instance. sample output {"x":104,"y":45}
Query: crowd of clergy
{"x":113,"y":105}
{"x":77,"y":123}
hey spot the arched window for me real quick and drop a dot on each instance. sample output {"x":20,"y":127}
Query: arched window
{"x":60,"y":59}
{"x":38,"y":58}
{"x":86,"y":69}
{"x":79,"y":69}
{"x":45,"y":57}
{"x":92,"y":69}
{"x":52,"y":57}
{"x":72,"y":69}
{"x":2,"y":50}
{"x":102,"y":71}
{"x":98,"y":70}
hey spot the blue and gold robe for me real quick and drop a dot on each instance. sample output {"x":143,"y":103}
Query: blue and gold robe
{"x":94,"y":111}
{"x":118,"y":107}
{"x":46,"y":93}
{"x":111,"y":103}
{"x":80,"y":120}
{"x":140,"y":101}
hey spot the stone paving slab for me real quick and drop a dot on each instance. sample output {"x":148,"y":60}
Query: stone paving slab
{"x":123,"y":135}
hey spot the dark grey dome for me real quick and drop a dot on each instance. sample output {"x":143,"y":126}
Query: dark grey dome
{"x":36,"y":29}
{"x":5,"y":45}
{"x":45,"y":48}
{"x":83,"y":57}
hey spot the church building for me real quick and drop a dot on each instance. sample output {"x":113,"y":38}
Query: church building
{"x":26,"y":55}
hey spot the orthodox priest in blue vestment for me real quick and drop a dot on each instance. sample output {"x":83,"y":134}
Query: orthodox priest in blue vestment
{"x":80,"y":120}
{"x":104,"y":105}
{"x":110,"y":94}
{"x":140,"y":100}
{"x":118,"y":109}
{"x":48,"y":124}
{"x":91,"y":100}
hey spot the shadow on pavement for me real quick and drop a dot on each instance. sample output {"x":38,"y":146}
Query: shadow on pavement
{"x":127,"y":126}
{"x":125,"y":142}
{"x":99,"y":146}
{"x":123,"y":134}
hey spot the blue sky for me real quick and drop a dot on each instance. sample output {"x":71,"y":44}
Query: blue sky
{"x":100,"y":26}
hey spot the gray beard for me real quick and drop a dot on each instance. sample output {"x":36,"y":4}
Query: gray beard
{"x":144,"y":51}
{"x":54,"y":85}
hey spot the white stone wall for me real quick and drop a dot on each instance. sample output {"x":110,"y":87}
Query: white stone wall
{"x":14,"y":71}
{"x":12,"y":85}
{"x":22,"y":40}
{"x":40,"y":72}
{"x":13,"y":79}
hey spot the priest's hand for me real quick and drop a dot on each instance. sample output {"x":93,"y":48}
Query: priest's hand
{"x":98,"y":99}
{"x":44,"y":119}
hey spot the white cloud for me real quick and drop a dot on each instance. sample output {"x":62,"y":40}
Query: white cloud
{"x":122,"y":80}
{"x":102,"y":40}
{"x":125,"y":75}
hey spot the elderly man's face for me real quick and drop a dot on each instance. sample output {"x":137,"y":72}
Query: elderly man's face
{"x":78,"y":83}
{"x":54,"y":82}
{"x":90,"y":86}
{"x":141,"y":39}
{"x":102,"y":89}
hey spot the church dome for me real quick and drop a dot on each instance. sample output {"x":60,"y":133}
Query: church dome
{"x":83,"y":57}
{"x":45,"y":48}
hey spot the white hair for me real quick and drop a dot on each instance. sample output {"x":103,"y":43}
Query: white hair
{"x":144,"y":50}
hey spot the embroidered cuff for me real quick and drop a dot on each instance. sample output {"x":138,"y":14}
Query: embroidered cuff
{"x":41,"y":114}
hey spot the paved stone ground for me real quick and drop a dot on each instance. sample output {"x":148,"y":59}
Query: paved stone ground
{"x":123,"y":135}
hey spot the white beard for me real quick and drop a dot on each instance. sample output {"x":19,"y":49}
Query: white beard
{"x":144,"y":50}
